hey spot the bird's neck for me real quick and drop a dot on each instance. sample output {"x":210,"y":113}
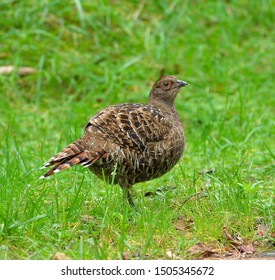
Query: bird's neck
{"x":163,"y":105}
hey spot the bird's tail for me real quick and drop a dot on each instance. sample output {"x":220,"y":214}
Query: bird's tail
{"x":73,"y":154}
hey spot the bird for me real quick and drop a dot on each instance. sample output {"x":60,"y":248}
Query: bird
{"x":128,"y":143}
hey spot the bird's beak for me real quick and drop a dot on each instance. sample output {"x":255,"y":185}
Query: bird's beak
{"x":181,"y":84}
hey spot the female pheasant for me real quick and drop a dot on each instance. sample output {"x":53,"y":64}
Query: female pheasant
{"x":129,"y":143}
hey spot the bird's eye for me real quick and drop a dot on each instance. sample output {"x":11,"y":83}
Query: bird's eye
{"x":166,"y":85}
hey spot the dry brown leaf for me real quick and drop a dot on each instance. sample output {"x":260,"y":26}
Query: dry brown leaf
{"x":125,"y":257}
{"x":248,"y":249}
{"x":202,"y":251}
{"x":237,"y":245}
{"x":234,"y":241}
{"x":60,"y":256}
{"x":262,"y":230}
{"x":22,"y":71}
{"x":179,"y":225}
{"x":227,"y":234}
{"x":231,"y":253}
{"x":197,"y":248}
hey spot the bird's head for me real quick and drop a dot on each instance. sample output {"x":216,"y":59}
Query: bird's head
{"x":165,"y":90}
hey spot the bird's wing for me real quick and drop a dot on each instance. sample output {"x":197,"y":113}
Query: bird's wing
{"x":130,"y":125}
{"x":126,"y":126}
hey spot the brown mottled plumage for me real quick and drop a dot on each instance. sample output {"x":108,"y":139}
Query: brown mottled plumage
{"x":129,"y":143}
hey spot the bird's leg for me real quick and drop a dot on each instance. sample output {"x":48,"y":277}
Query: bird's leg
{"x":130,"y":199}
{"x":127,"y":195}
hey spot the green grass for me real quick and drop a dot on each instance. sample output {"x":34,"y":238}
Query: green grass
{"x":90,"y":54}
